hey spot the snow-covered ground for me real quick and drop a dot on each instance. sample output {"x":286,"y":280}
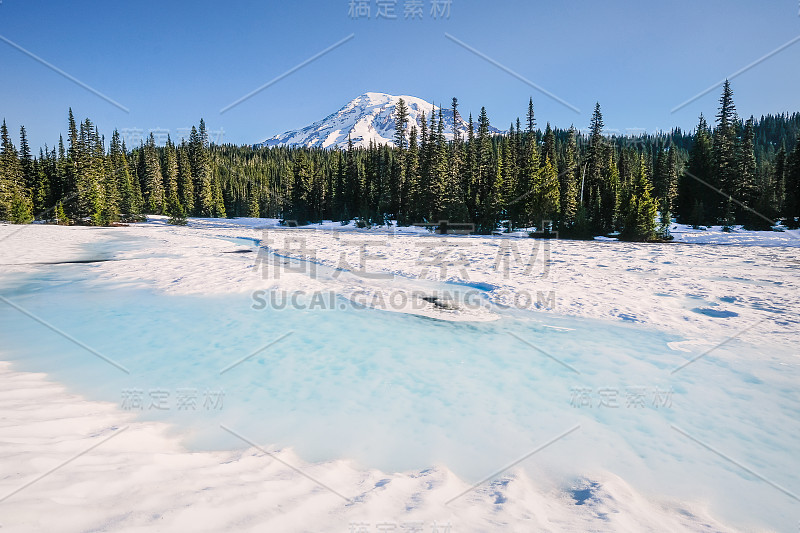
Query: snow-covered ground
{"x":705,"y":289}
{"x":674,"y":287}
{"x":143,"y":480}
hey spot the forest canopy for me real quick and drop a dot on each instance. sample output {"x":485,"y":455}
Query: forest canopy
{"x":736,"y":171}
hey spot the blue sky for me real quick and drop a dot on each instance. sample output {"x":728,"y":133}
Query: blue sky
{"x":170,"y":63}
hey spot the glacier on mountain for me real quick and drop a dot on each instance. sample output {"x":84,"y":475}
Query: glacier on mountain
{"x":369,"y":117}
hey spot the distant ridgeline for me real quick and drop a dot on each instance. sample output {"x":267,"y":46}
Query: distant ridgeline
{"x":738,"y":172}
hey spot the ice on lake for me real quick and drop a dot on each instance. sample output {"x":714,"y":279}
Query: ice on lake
{"x":399,"y":392}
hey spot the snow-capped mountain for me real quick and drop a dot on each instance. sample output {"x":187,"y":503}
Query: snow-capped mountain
{"x":370,"y":117}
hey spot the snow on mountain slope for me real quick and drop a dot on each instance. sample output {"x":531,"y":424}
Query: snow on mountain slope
{"x":369,"y":117}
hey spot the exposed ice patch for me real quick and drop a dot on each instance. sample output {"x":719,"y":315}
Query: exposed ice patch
{"x":715,"y":313}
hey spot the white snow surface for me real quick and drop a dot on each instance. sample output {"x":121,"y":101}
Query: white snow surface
{"x":753,"y":276}
{"x":145,"y":479}
{"x":141,"y":479}
{"x":368,"y":117}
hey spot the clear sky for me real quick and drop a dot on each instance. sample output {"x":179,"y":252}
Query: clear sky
{"x":170,"y":63}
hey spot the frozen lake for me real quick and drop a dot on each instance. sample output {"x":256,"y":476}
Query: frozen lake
{"x":402,"y":392}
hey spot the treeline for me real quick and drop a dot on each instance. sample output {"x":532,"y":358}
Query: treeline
{"x":82,"y":182}
{"x":738,"y":172}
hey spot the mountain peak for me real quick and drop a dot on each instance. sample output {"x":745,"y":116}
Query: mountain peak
{"x":368,"y":117}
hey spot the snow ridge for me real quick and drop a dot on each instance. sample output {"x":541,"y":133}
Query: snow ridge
{"x":369,"y":117}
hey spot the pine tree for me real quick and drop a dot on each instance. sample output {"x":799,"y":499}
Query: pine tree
{"x":693,"y":195}
{"x":301,"y":185}
{"x":569,"y":181}
{"x":26,"y":161}
{"x":130,"y":204}
{"x":724,"y":146}
{"x":697,"y":215}
{"x":60,"y":189}
{"x":507,"y":170}
{"x":671,"y":179}
{"x":486,"y":178}
{"x":201,"y":172}
{"x":779,"y":178}
{"x":411,"y":191}
{"x":728,"y":218}
{"x":10,"y":175}
{"x":546,"y":195}
{"x":531,"y":119}
{"x":61,"y":216}
{"x":219,"y":210}
{"x":429,"y":175}
{"x":177,"y":216}
{"x":447,"y":200}
{"x":107,"y":183}
{"x":253,"y":208}
{"x":155,"y":202}
{"x":400,"y":124}
{"x":355,"y":185}
{"x":70,"y":168}
{"x":667,"y":189}
{"x":169,"y":171}
{"x":453,"y":203}
{"x":640,"y":215}
{"x":89,"y":162}
{"x":185,"y":180}
{"x":21,"y":208}
{"x":525,"y":210}
{"x":549,"y":146}
{"x":469,"y":182}
{"x":597,"y":161}
{"x":399,"y":163}
{"x":42,"y":189}
{"x":660,"y":173}
{"x":338,"y":187}
{"x":748,"y":191}
{"x":791,"y":207}
{"x":609,"y":193}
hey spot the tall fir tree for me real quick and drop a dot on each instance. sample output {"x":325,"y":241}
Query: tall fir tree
{"x":454,"y":205}
{"x":354,"y":184}
{"x":14,"y":203}
{"x":486,"y":177}
{"x":41,"y":193}
{"x":10,"y":173}
{"x":523,"y":210}
{"x":549,"y":146}
{"x":185,"y":179}
{"x":201,"y":172}
{"x":569,"y":181}
{"x":726,"y":166}
{"x":90,"y":198}
{"x":130,"y":202}
{"x":791,"y":203}
{"x":70,"y":168}
{"x":109,"y":190}
{"x":695,"y":203}
{"x":300,"y":212}
{"x":531,"y":119}
{"x":411,"y":191}
{"x":26,"y":161}
{"x":155,"y":201}
{"x":596,"y":163}
{"x":546,"y":196}
{"x":399,"y":163}
{"x":748,"y":191}
{"x":169,"y":171}
{"x":640,"y":215}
